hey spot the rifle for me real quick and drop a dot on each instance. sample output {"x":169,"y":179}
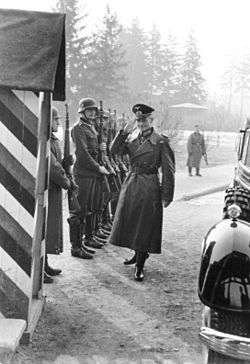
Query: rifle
{"x":205,"y":158}
{"x":67,"y":163}
{"x":101,"y":156}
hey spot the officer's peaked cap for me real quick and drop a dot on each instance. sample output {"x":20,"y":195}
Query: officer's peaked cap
{"x":142,"y":111}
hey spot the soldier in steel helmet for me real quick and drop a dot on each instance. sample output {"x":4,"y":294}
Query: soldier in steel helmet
{"x":88,"y":176}
{"x":138,"y":219}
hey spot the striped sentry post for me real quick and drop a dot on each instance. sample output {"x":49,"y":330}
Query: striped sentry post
{"x":24,"y":150}
{"x":32,"y":63}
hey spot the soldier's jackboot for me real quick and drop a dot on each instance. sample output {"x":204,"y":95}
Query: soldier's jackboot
{"x":130,"y":261}
{"x":140,"y":261}
{"x":100,"y":240}
{"x":79,"y":252}
{"x":47,"y":278}
{"x":76,"y":231}
{"x":88,"y":250}
{"x":198,"y":172}
{"x":49,"y":270}
{"x":190,"y":171}
{"x":93,"y":243}
{"x":100,"y":233}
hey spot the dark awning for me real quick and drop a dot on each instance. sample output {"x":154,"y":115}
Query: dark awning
{"x":32,"y":51}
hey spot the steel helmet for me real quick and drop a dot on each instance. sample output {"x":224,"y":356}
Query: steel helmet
{"x":55,"y":112}
{"x":87,"y":103}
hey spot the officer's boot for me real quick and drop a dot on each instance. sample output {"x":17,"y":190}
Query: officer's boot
{"x":140,"y":261}
{"x":190,"y":171}
{"x":131,"y":260}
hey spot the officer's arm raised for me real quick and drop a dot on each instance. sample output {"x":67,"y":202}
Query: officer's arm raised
{"x":118,"y":145}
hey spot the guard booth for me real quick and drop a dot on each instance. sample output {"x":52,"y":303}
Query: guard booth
{"x":32,"y":73}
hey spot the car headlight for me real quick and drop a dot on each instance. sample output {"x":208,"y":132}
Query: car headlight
{"x":234,"y":211}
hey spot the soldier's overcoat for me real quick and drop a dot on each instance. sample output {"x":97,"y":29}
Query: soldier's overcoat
{"x":196,"y":149}
{"x":138,"y":219}
{"x":57,"y":181}
{"x":86,"y":167}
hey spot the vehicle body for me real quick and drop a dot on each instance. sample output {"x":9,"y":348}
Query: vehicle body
{"x":224,"y":278}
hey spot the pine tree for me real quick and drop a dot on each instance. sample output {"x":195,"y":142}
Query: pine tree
{"x":171,"y":64}
{"x":155,"y":64}
{"x":242,"y":81}
{"x":105,"y":73}
{"x":134,"y":40}
{"x":191,"y":81}
{"x":76,"y":46}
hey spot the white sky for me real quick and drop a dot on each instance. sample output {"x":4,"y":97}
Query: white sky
{"x":221,"y":27}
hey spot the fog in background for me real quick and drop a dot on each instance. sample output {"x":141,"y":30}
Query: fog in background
{"x":220,"y":31}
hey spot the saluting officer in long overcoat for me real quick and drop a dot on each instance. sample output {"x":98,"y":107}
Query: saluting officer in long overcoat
{"x":138,"y":219}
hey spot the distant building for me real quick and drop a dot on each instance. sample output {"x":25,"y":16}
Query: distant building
{"x":187,"y":115}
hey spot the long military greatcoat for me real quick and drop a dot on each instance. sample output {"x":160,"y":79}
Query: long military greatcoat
{"x":57,"y":181}
{"x":196,"y":149}
{"x":138,"y":219}
{"x":86,"y":167}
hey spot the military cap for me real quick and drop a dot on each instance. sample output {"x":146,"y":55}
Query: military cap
{"x":87,"y":103}
{"x":142,"y":111}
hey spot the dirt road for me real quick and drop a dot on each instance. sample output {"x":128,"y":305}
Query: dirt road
{"x":97,"y":313}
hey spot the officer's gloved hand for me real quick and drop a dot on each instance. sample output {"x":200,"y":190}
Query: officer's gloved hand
{"x":128,"y":127}
{"x":103,"y":170}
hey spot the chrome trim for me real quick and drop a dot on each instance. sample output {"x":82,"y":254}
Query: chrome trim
{"x":234,"y":346}
{"x":243,"y":175}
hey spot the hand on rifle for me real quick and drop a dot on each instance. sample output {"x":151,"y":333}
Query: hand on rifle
{"x":103,"y":170}
{"x":68,"y":161}
{"x":205,"y":158}
{"x":74,"y":186}
{"x":103,"y":147}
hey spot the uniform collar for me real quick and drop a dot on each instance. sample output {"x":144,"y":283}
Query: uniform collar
{"x":154,"y":137}
{"x":53,"y":136}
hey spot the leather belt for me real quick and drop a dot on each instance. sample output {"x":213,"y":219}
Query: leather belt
{"x":144,"y":170}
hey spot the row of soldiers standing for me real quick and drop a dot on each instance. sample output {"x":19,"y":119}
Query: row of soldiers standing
{"x":97,"y":178}
{"x":99,"y":170}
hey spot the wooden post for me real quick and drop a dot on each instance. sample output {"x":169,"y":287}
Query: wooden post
{"x":41,"y":193}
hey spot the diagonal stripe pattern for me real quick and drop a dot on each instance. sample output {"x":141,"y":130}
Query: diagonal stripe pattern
{"x":18,"y":171}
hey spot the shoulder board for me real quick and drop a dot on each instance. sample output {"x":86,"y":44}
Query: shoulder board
{"x":165,"y":138}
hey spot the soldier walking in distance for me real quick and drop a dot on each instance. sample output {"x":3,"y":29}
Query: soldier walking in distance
{"x":138,"y":219}
{"x":88,"y":175}
{"x":196,"y":149}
